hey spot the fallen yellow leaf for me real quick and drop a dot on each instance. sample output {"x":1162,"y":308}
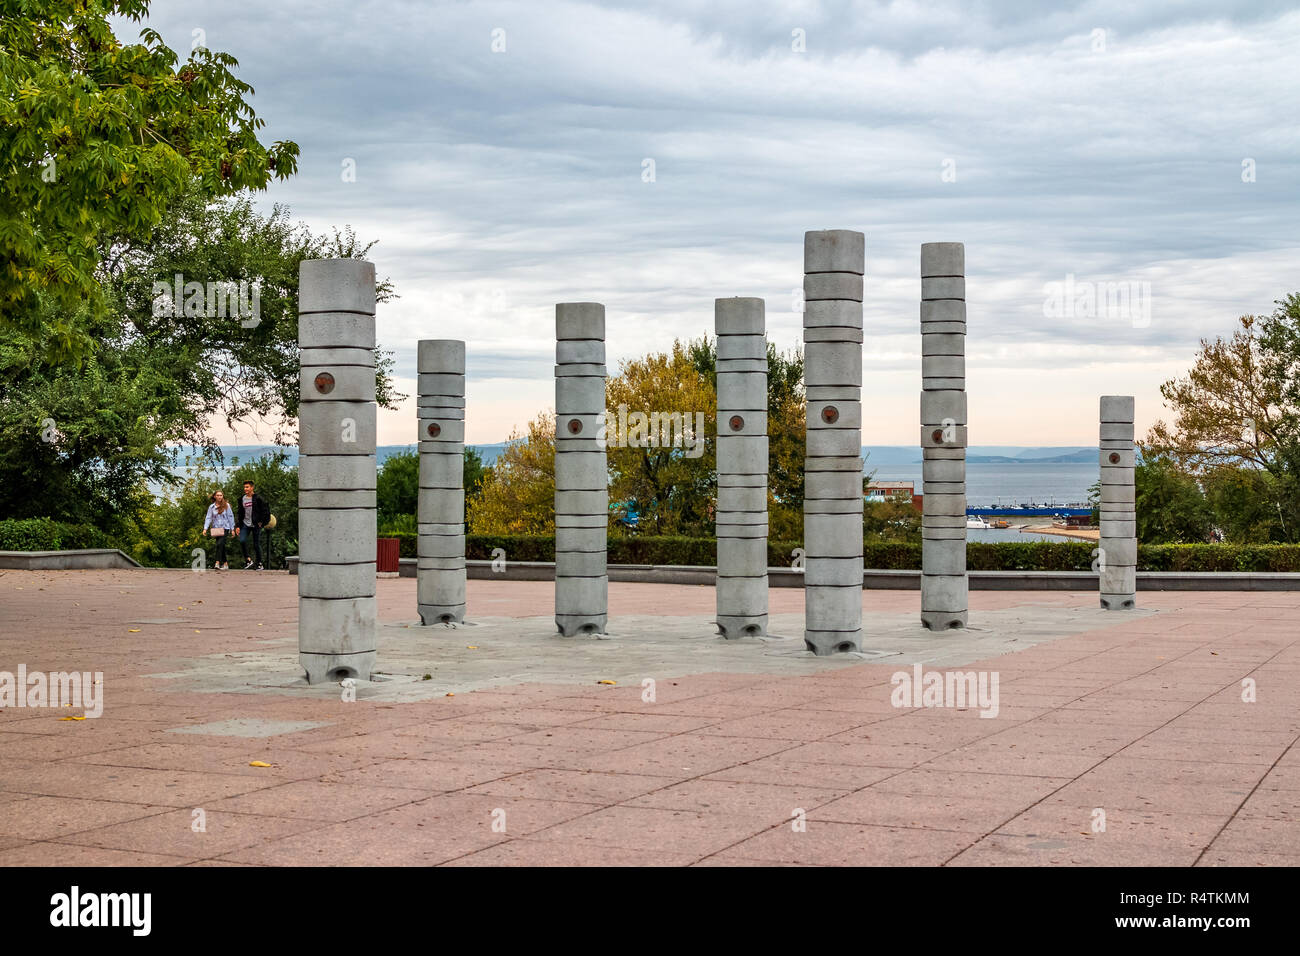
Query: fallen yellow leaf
{"x":450,"y":694}
{"x":606,"y":682}
{"x":258,"y":763}
{"x":133,"y":630}
{"x":471,"y":647}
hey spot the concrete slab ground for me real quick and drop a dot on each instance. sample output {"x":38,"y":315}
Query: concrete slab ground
{"x":1120,"y":738}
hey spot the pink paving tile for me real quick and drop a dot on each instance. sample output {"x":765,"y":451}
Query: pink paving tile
{"x":1213,"y":857}
{"x":1260,"y":835}
{"x":365,"y":842}
{"x":788,"y":724}
{"x":847,"y":844}
{"x":864,"y":753}
{"x":487,"y":814}
{"x":430,"y":776}
{"x":681,"y":756}
{"x":1173,"y":798}
{"x":1062,"y":821}
{"x":1124,"y":769}
{"x":659,"y":723}
{"x":577,"y":786}
{"x":642,"y":828}
{"x":235,"y":757}
{"x":45,"y":818}
{"x":959,"y":783}
{"x":587,"y":740}
{"x":315,"y":800}
{"x":1212,"y":752}
{"x":547,"y":853}
{"x":991,"y":756}
{"x":1097,"y":850}
{"x":68,"y":855}
{"x":172,"y":788}
{"x":766,"y":800}
{"x":916,"y":810}
{"x":780,"y":769}
{"x":174,"y":833}
{"x":459,"y":731}
{"x":1272,"y":804}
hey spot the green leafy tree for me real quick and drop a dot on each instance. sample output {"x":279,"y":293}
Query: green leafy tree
{"x":1236,"y":426}
{"x":398,"y":484}
{"x":91,"y":436}
{"x":1170,"y":505}
{"x":98,"y":140}
{"x":786,"y":412}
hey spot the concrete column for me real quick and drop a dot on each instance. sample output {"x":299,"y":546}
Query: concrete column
{"x":742,"y":467}
{"x":336,"y":469}
{"x":944,"y":582}
{"x":440,"y":567}
{"x":1117,"y":562}
{"x":581,"y":472}
{"x":834,"y":262}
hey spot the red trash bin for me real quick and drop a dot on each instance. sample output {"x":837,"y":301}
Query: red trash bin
{"x":388,"y":556}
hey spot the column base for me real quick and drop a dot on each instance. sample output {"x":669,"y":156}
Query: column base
{"x":442,"y":614}
{"x":571,"y":625}
{"x":331,"y":668}
{"x":826,"y":643}
{"x":944,"y":620}
{"x":1119,"y":602}
{"x":735,"y":626}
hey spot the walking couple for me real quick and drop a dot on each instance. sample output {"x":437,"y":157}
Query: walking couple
{"x":249,"y":516}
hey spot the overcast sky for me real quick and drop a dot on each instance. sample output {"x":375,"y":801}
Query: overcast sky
{"x":1106,"y":140}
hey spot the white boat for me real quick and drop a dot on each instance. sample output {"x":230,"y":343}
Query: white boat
{"x":975,"y":521}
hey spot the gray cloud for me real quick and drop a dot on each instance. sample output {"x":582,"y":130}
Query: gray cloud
{"x":500,"y":183}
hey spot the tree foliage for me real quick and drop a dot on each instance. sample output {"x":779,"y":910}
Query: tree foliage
{"x":398,"y":484}
{"x":98,"y":140}
{"x":1236,"y":428}
{"x":517,"y":495}
{"x":90,"y":436}
{"x":671,"y":486}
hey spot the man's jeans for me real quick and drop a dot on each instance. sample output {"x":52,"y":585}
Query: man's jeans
{"x":246,"y":533}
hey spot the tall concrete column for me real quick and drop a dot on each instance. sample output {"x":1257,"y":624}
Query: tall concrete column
{"x":944,"y":582}
{"x":440,"y":570}
{"x":741,"y":518}
{"x":1117,"y":562}
{"x":581,"y":471}
{"x":336,"y":469}
{"x":834,"y":262}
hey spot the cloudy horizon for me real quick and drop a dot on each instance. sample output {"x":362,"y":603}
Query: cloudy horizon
{"x":502,"y":154}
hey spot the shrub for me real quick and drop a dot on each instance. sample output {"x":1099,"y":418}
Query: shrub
{"x":46,"y":534}
{"x":897,"y":555}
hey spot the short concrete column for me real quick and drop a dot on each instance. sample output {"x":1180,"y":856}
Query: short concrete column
{"x":741,"y":517}
{"x":944,"y":581}
{"x":1117,"y":558}
{"x":581,"y":471}
{"x":834,"y":262}
{"x":440,"y":564}
{"x":336,"y":469}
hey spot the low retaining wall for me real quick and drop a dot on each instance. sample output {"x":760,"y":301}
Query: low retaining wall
{"x":894,"y":580}
{"x":91,"y":559}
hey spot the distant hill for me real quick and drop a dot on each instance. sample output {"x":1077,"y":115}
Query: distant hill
{"x":985,"y":454}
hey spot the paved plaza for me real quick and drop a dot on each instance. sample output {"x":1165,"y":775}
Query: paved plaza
{"x":1161,"y":736}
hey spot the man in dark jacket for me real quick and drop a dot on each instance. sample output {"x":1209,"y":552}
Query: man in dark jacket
{"x":251,"y":515}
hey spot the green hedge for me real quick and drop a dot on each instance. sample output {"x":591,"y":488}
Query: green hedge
{"x":1219,"y":557}
{"x":46,"y":534}
{"x":904,"y":556}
